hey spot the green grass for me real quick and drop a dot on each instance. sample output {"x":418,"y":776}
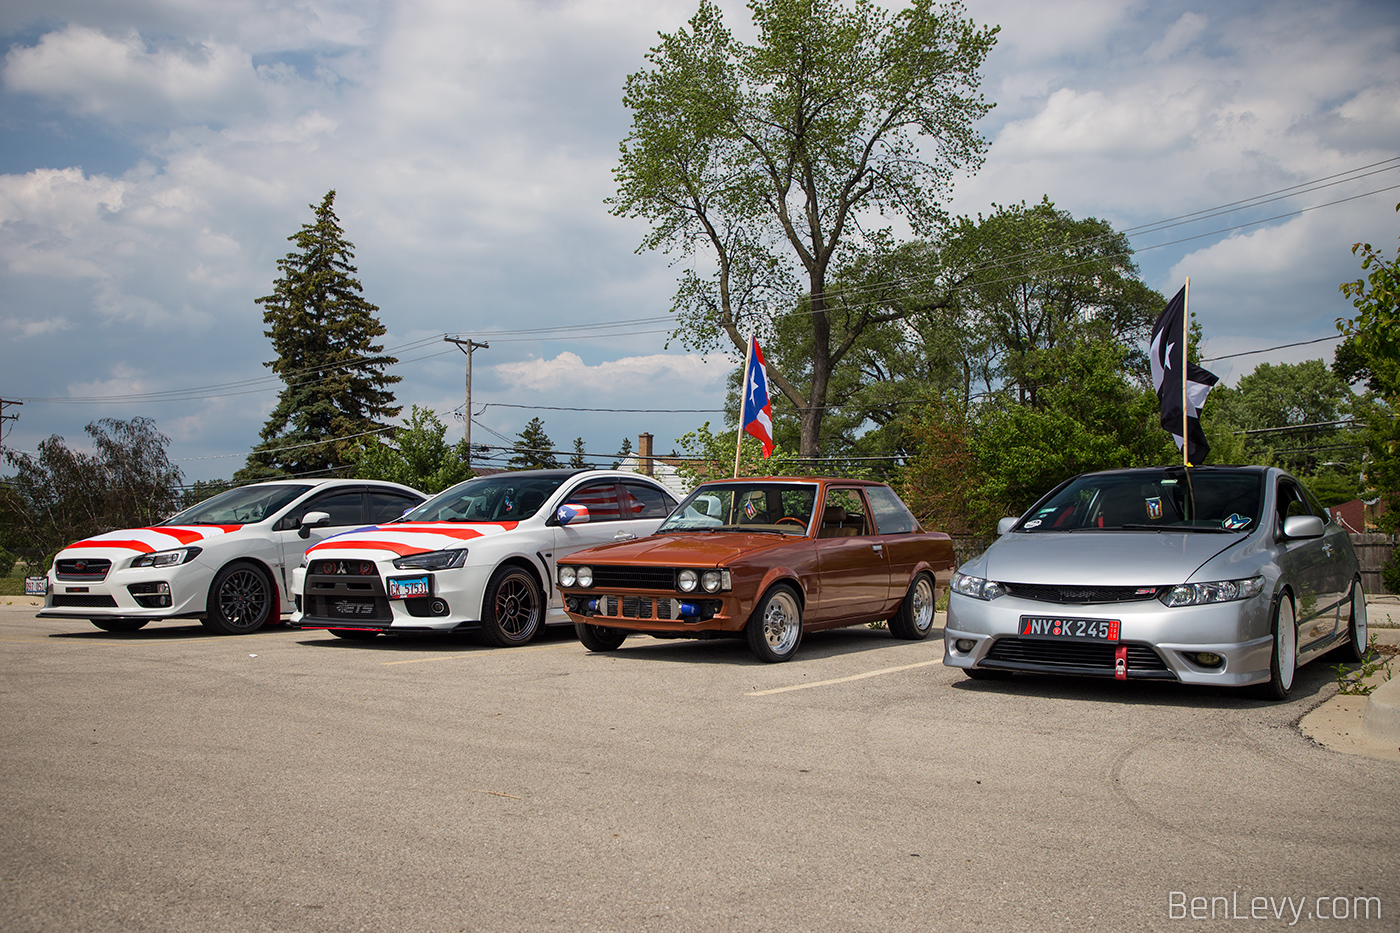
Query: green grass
{"x":13,"y":585}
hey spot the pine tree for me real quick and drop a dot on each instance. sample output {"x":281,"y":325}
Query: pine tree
{"x":576,"y":461}
{"x":534,"y":450}
{"x":323,"y":331}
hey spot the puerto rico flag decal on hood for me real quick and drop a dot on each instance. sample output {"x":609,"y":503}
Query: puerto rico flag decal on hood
{"x":405,"y":538}
{"x":149,"y":540}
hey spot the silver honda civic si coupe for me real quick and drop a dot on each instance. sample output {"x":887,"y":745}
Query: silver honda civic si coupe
{"x":1233,"y":576}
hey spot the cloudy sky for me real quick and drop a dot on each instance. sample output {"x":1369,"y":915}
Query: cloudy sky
{"x":155,"y":155}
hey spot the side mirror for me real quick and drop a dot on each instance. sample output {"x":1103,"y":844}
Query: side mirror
{"x":1302,"y":526}
{"x":572,"y":515}
{"x":313,"y":520}
{"x":1006,"y":524}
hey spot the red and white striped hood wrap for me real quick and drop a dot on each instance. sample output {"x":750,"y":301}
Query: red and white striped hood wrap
{"x":149,"y":540}
{"x":405,"y":538}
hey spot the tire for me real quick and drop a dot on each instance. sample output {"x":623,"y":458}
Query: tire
{"x":1358,"y":631}
{"x":775,"y":628}
{"x":914,"y":619}
{"x":1283,"y":660}
{"x":118,"y":625}
{"x":241,"y":599}
{"x":354,"y":634}
{"x":599,"y":637}
{"x":513,"y":611}
{"x":986,"y":673}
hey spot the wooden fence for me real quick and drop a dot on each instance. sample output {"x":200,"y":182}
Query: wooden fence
{"x":1372,"y":551}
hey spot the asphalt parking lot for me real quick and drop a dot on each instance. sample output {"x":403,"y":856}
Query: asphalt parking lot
{"x":170,"y":780}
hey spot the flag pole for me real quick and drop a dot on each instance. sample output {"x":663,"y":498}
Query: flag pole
{"x":1185,"y":339}
{"x":743,"y":395}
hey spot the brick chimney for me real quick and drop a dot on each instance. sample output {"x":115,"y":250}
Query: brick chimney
{"x":644,"y":454}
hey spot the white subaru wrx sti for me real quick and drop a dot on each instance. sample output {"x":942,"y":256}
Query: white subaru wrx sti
{"x":480,"y":555}
{"x":227,"y":560}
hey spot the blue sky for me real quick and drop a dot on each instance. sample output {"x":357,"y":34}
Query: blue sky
{"x":155,"y":155}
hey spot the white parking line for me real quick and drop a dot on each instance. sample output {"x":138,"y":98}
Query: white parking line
{"x":843,"y":680}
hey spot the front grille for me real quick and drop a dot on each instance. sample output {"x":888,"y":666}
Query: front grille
{"x":90,"y":569}
{"x":348,"y":609}
{"x":346,"y":596}
{"x":1055,"y":593}
{"x":635,"y":578}
{"x":637,"y":607}
{"x":84,"y":601}
{"x":1075,"y":657}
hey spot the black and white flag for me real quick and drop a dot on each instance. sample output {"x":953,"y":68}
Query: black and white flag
{"x":1166,"y":356}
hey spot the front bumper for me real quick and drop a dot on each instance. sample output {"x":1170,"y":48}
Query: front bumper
{"x":656,"y":611}
{"x":130,"y":593}
{"x":1162,"y":643}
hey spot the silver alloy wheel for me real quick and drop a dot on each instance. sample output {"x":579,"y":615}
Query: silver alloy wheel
{"x":782,"y":623}
{"x":243,"y":598}
{"x":922,"y":614}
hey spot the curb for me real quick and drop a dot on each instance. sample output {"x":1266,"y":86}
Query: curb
{"x":1381,"y":720}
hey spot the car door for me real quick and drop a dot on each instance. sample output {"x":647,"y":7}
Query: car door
{"x":852,"y":561}
{"x":387,"y":504}
{"x":1306,"y":564}
{"x":346,"y":507}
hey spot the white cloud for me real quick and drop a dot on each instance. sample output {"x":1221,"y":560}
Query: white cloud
{"x":568,"y":376}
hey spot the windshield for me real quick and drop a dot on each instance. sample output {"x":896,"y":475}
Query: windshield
{"x":1176,"y":499}
{"x":243,"y":506}
{"x":505,"y":497}
{"x":777,"y":507}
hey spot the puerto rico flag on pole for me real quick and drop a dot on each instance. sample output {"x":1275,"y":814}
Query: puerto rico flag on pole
{"x":756,"y":416}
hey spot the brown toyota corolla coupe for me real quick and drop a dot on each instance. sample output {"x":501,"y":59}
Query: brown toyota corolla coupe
{"x":765,"y":559}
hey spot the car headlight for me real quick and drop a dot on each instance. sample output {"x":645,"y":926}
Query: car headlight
{"x":433,"y":560}
{"x":713,"y":580}
{"x":584,"y":575}
{"x":687,"y":580}
{"x":182,"y":555}
{"x":567,"y":576}
{"x":976,"y":587}
{"x":1201,"y":594}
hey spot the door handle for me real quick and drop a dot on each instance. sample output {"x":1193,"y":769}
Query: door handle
{"x":624,"y":536}
{"x":878,"y":548}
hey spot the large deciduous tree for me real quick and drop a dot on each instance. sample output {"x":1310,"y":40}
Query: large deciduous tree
{"x":61,"y":495}
{"x":779,"y":160}
{"x":416,"y":454}
{"x":1372,"y":352}
{"x":324,"y":332}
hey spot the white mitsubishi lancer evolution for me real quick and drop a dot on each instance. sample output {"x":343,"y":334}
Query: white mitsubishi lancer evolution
{"x":478,"y":556}
{"x":227,"y":560}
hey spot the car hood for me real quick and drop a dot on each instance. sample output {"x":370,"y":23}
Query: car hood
{"x":694,"y":548}
{"x":148,"y":540}
{"x":1123,"y":558}
{"x":405,"y":538}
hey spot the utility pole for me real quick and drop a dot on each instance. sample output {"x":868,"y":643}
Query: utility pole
{"x":3,"y":418}
{"x":467,"y":346}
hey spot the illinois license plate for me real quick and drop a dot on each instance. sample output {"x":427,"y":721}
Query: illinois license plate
{"x":407,"y":587}
{"x":1057,"y":627}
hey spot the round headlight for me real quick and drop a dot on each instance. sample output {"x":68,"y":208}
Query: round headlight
{"x":686,"y":580}
{"x":566,"y":576}
{"x":584,"y":576}
{"x":710,"y":581}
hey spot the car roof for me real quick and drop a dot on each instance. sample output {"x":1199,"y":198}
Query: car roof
{"x":1205,"y":468}
{"x":842,"y":480}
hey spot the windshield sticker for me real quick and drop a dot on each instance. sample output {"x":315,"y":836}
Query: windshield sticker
{"x":1235,"y":522}
{"x":1154,"y":508}
{"x":1045,"y":511}
{"x":1033,"y":523}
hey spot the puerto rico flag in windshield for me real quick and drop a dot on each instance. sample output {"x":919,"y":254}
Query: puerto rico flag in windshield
{"x":756,"y":417}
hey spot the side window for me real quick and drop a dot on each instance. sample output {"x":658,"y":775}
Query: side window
{"x":600,"y":499}
{"x":891,"y":517}
{"x":646,"y":501}
{"x":844,"y":514}
{"x":346,"y":507}
{"x":386,"y":505}
{"x":1317,"y":508}
{"x":1290,"y":502}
